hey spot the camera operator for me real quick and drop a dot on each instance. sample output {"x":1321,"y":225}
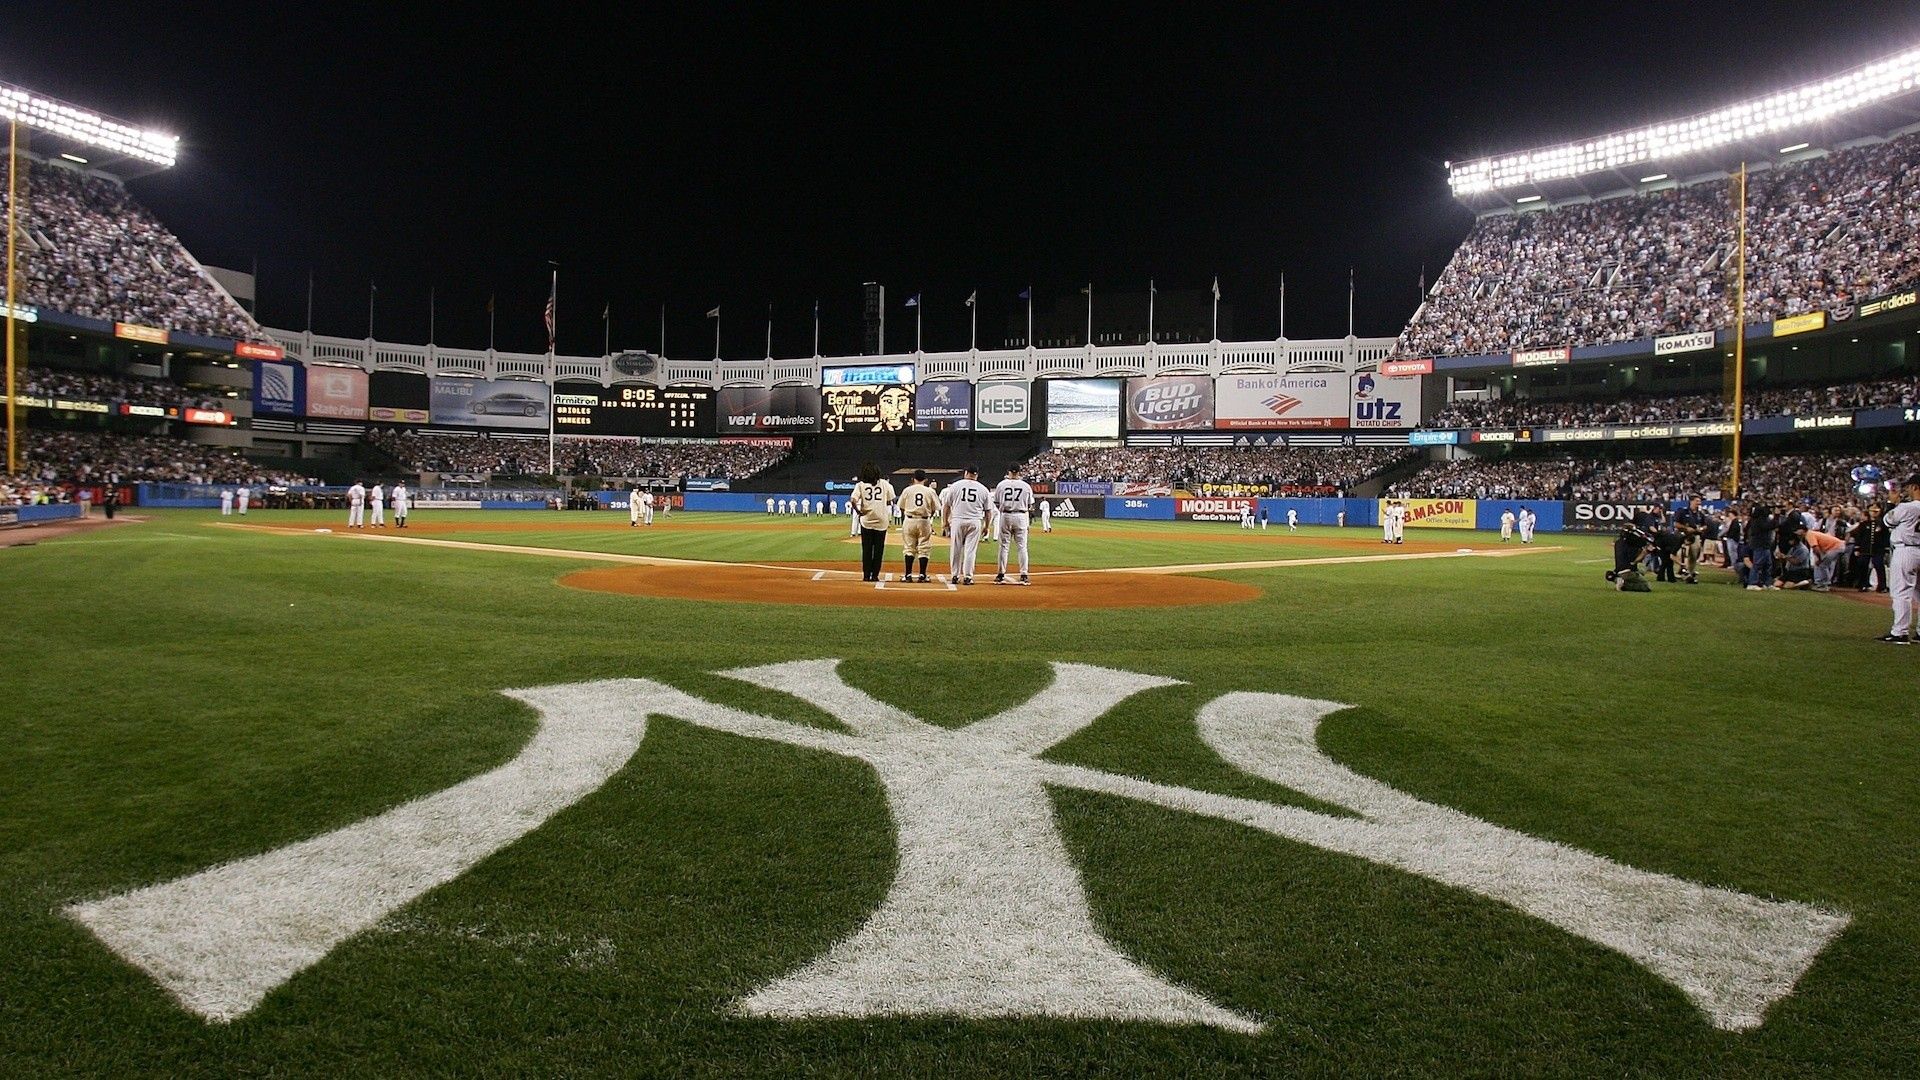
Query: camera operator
{"x":1692,"y":523}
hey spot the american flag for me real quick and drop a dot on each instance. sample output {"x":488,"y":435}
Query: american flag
{"x":552,"y":296}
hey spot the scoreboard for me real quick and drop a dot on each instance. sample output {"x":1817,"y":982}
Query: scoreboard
{"x":634,"y":410}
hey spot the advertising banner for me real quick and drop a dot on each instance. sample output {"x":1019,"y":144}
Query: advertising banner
{"x":1673,"y":344}
{"x":1070,"y":509}
{"x":1141,"y":509}
{"x":1213,"y":509}
{"x":1083,"y":408}
{"x":750,"y":410}
{"x":1079,"y":487}
{"x":336,"y":393}
{"x":1433,"y":438}
{"x":1003,"y":406}
{"x":1886,"y":305}
{"x":247,"y":350}
{"x":1273,"y":402}
{"x":943,"y":406}
{"x":590,"y":409}
{"x":869,"y":375}
{"x":279,"y":389}
{"x":504,"y":403}
{"x":1386,"y":401}
{"x":867,"y":410}
{"x":1437,"y":513}
{"x":1150,"y":490}
{"x":1588,"y":516}
{"x":1406,"y":367}
{"x":397,"y":397}
{"x":1170,"y":403}
{"x":1800,"y":324}
{"x":1542,"y":357}
{"x":152,"y":335}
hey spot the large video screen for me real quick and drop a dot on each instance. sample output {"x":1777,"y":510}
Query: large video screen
{"x":769,"y":410}
{"x":867,"y":410}
{"x":1170,"y":403}
{"x":587,"y":409}
{"x":943,"y":406}
{"x":1083,"y":408}
{"x":398,"y":397}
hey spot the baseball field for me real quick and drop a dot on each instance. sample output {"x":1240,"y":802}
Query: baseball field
{"x":543,"y":794}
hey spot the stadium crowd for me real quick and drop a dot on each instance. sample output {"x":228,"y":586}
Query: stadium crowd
{"x":1777,"y":479}
{"x":91,"y":386}
{"x":91,"y":250}
{"x":1316,"y":469}
{"x":1886,"y":392}
{"x":576,"y":456}
{"x":56,"y":460}
{"x":1822,"y":234}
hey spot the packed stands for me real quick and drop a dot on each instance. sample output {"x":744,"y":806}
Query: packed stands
{"x":74,"y":457}
{"x":1778,"y":479}
{"x":90,"y":386}
{"x":1891,"y":391}
{"x":576,"y":456}
{"x":1821,"y":233}
{"x":1285,"y":469}
{"x":90,"y":250}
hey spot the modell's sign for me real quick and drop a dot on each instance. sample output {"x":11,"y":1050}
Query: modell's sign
{"x":1683,"y":343}
{"x":1213,"y":509}
{"x":248,"y":350}
{"x":1887,"y":304}
{"x":1407,"y":367}
{"x":152,"y":335}
{"x":1542,"y":357}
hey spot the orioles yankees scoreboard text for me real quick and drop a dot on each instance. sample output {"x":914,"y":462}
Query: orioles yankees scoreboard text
{"x":635,"y":410}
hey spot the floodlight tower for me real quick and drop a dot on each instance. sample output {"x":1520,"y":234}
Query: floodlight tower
{"x":77,"y":135}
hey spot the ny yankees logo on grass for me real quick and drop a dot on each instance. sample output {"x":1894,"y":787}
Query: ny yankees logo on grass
{"x":987,"y":915}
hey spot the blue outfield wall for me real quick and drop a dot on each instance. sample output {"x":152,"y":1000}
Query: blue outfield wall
{"x":49,"y":512}
{"x":1360,"y":512}
{"x":1552,"y":516}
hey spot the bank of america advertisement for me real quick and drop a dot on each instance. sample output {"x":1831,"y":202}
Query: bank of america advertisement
{"x":504,"y":403}
{"x":769,"y":410}
{"x":1386,"y":401}
{"x":943,"y":406}
{"x":1281,"y":402}
{"x":1170,"y":403}
{"x":1003,"y":406}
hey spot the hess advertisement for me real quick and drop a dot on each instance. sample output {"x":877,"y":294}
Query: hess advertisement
{"x":1385,"y":401}
{"x":1003,"y":406}
{"x":867,"y":410}
{"x":1279,"y":402}
{"x":768,"y":410}
{"x":943,"y":406}
{"x":1170,"y":403}
{"x":507,"y":403}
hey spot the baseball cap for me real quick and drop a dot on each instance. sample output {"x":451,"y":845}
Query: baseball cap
{"x":919,"y":474}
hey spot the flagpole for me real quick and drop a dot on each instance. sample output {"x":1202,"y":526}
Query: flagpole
{"x":1089,"y":314}
{"x":919,"y":306}
{"x":606,"y":330}
{"x":816,"y":328}
{"x":1216,"y":307}
{"x":553,"y":332}
{"x":1029,"y":316}
{"x":371,"y":290}
{"x":973,"y":321}
{"x":716,"y":333}
{"x":491,"y":297}
{"x":431,"y":313}
{"x":1283,"y":307}
{"x":1349,"y":301}
{"x":663,"y":331}
{"x":309,"y":300}
{"x":1151,"y":293}
{"x":769,"y":331}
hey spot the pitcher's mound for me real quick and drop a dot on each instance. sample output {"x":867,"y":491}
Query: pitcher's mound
{"x":840,"y":585}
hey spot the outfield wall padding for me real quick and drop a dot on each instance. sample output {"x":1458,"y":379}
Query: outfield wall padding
{"x":49,"y":512}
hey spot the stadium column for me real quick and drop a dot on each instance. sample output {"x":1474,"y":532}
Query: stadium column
{"x":1739,"y":326}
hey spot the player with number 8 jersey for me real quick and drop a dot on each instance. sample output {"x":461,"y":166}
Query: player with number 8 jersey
{"x":917,"y":507}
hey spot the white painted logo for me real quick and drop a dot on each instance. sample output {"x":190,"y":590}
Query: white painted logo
{"x":987,"y":915}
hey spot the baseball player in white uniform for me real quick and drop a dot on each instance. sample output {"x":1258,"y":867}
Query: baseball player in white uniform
{"x":356,"y":506}
{"x":963,"y":507}
{"x":918,"y":505}
{"x":1903,"y":562}
{"x":1394,"y":521}
{"x":769,"y":506}
{"x":1506,"y":524}
{"x":1013,"y":497}
{"x":1293,"y":520}
{"x":1046,"y":516}
{"x":243,"y":496}
{"x":226,"y":502}
{"x":1528,"y":519}
{"x":377,"y":499}
{"x":853,"y":511}
{"x":633,"y":508}
{"x":401,"y":500}
{"x":1246,"y":516}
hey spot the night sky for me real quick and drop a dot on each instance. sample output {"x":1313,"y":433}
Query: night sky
{"x":783,"y":157}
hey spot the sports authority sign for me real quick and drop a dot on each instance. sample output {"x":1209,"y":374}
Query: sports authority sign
{"x":1280,"y":402}
{"x":987,"y":916}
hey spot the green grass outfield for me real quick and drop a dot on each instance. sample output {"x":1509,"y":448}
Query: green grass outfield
{"x":177,"y":695}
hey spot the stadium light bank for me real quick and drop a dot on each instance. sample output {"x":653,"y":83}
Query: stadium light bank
{"x":1775,"y":113}
{"x":86,"y":127}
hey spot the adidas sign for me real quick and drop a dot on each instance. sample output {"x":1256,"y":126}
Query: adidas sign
{"x":1065,"y":509}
